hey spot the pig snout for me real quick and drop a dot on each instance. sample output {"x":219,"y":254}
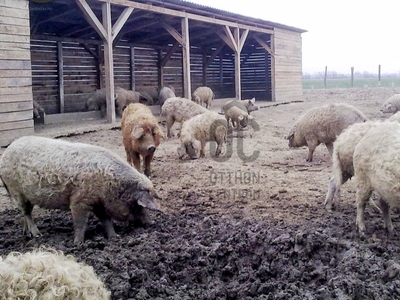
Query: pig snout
{"x":151,"y":149}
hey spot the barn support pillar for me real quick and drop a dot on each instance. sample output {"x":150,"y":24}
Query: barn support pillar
{"x":108,"y":33}
{"x":235,"y":41}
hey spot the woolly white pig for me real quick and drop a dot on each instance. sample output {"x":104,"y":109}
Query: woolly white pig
{"x":199,"y":130}
{"x":179,"y":110}
{"x":57,"y":174}
{"x":48,"y":274}
{"x":391,"y":105}
{"x":377,"y":168}
{"x":140,"y":135}
{"x":246,"y":105}
{"x":203,"y":94}
{"x":342,"y":157}
{"x":237,"y":116}
{"x":322,"y":125}
{"x":165,"y":93}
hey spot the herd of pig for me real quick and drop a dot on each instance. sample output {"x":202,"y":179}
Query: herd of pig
{"x":83,"y":178}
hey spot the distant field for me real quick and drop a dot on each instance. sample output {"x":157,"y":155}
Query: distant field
{"x":346,"y":83}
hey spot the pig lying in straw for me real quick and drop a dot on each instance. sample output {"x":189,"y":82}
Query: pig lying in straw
{"x":57,"y":174}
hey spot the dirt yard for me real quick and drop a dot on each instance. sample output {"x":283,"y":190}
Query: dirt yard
{"x":250,"y":225}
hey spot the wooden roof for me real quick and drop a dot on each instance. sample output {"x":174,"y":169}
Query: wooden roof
{"x":152,"y":22}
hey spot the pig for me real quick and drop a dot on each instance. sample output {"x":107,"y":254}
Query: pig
{"x":247,"y":105}
{"x":57,"y":174}
{"x":203,"y":94}
{"x":377,"y":169}
{"x":238,"y":117}
{"x":165,"y":93}
{"x":322,"y":125}
{"x":391,"y":105}
{"x":179,"y":109}
{"x":141,"y":135}
{"x":199,"y":130}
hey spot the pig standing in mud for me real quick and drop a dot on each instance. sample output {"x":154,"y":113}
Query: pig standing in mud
{"x":56,"y":174}
{"x":140,"y":134}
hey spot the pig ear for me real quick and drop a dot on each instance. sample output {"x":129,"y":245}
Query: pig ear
{"x":149,"y":203}
{"x":241,"y":118}
{"x":137,"y":132}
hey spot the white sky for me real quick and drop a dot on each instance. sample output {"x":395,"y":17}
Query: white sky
{"x":340,"y":34}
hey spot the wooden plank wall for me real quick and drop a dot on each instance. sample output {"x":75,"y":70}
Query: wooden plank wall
{"x":288,"y":65}
{"x":15,"y":72}
{"x":137,"y":68}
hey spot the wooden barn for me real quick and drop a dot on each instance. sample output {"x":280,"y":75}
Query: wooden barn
{"x":57,"y":52}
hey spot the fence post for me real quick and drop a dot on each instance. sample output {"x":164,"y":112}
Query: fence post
{"x":352,"y":76}
{"x":379,"y":75}
{"x":326,"y":74}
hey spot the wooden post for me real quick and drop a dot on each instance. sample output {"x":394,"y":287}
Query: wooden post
{"x":352,"y":77}
{"x":132,"y":68}
{"x":60,"y":62}
{"x":100,"y":64}
{"x":108,"y":62}
{"x":379,"y":75}
{"x":160,"y":73}
{"x":326,"y":74}
{"x":186,"y":58}
{"x":238,"y":87}
{"x":204,"y":62}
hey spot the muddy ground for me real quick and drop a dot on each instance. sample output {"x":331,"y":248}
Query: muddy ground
{"x":251,"y":226}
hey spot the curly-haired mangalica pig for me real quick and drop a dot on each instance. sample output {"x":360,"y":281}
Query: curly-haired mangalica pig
{"x":342,"y":157}
{"x":203,"y":94}
{"x":247,"y":105}
{"x":57,"y":174}
{"x":200,"y":129}
{"x":178,"y":109}
{"x":165,"y":93}
{"x":322,"y":125}
{"x":391,"y":105}
{"x":140,"y":135}
{"x":377,"y":168}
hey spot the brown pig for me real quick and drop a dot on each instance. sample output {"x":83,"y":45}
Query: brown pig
{"x":140,"y":135}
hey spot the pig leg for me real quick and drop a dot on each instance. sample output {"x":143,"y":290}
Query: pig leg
{"x":80,"y":215}
{"x":202,"y":152}
{"x":330,"y":194}
{"x":386,"y":215}
{"x":329,"y":146}
{"x":362,"y":195}
{"x":170,"y":121}
{"x":147,"y":161}
{"x":105,"y":221}
{"x":26,"y":208}
{"x":312,"y":144}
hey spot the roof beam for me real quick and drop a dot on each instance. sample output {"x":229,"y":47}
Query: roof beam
{"x":264,"y":45}
{"x":182,"y":14}
{"x":121,"y":21}
{"x":92,"y":18}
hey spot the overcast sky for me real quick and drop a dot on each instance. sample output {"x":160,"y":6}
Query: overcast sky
{"x":340,"y":34}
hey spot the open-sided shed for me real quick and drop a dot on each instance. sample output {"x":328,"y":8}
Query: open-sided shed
{"x":79,"y":46}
